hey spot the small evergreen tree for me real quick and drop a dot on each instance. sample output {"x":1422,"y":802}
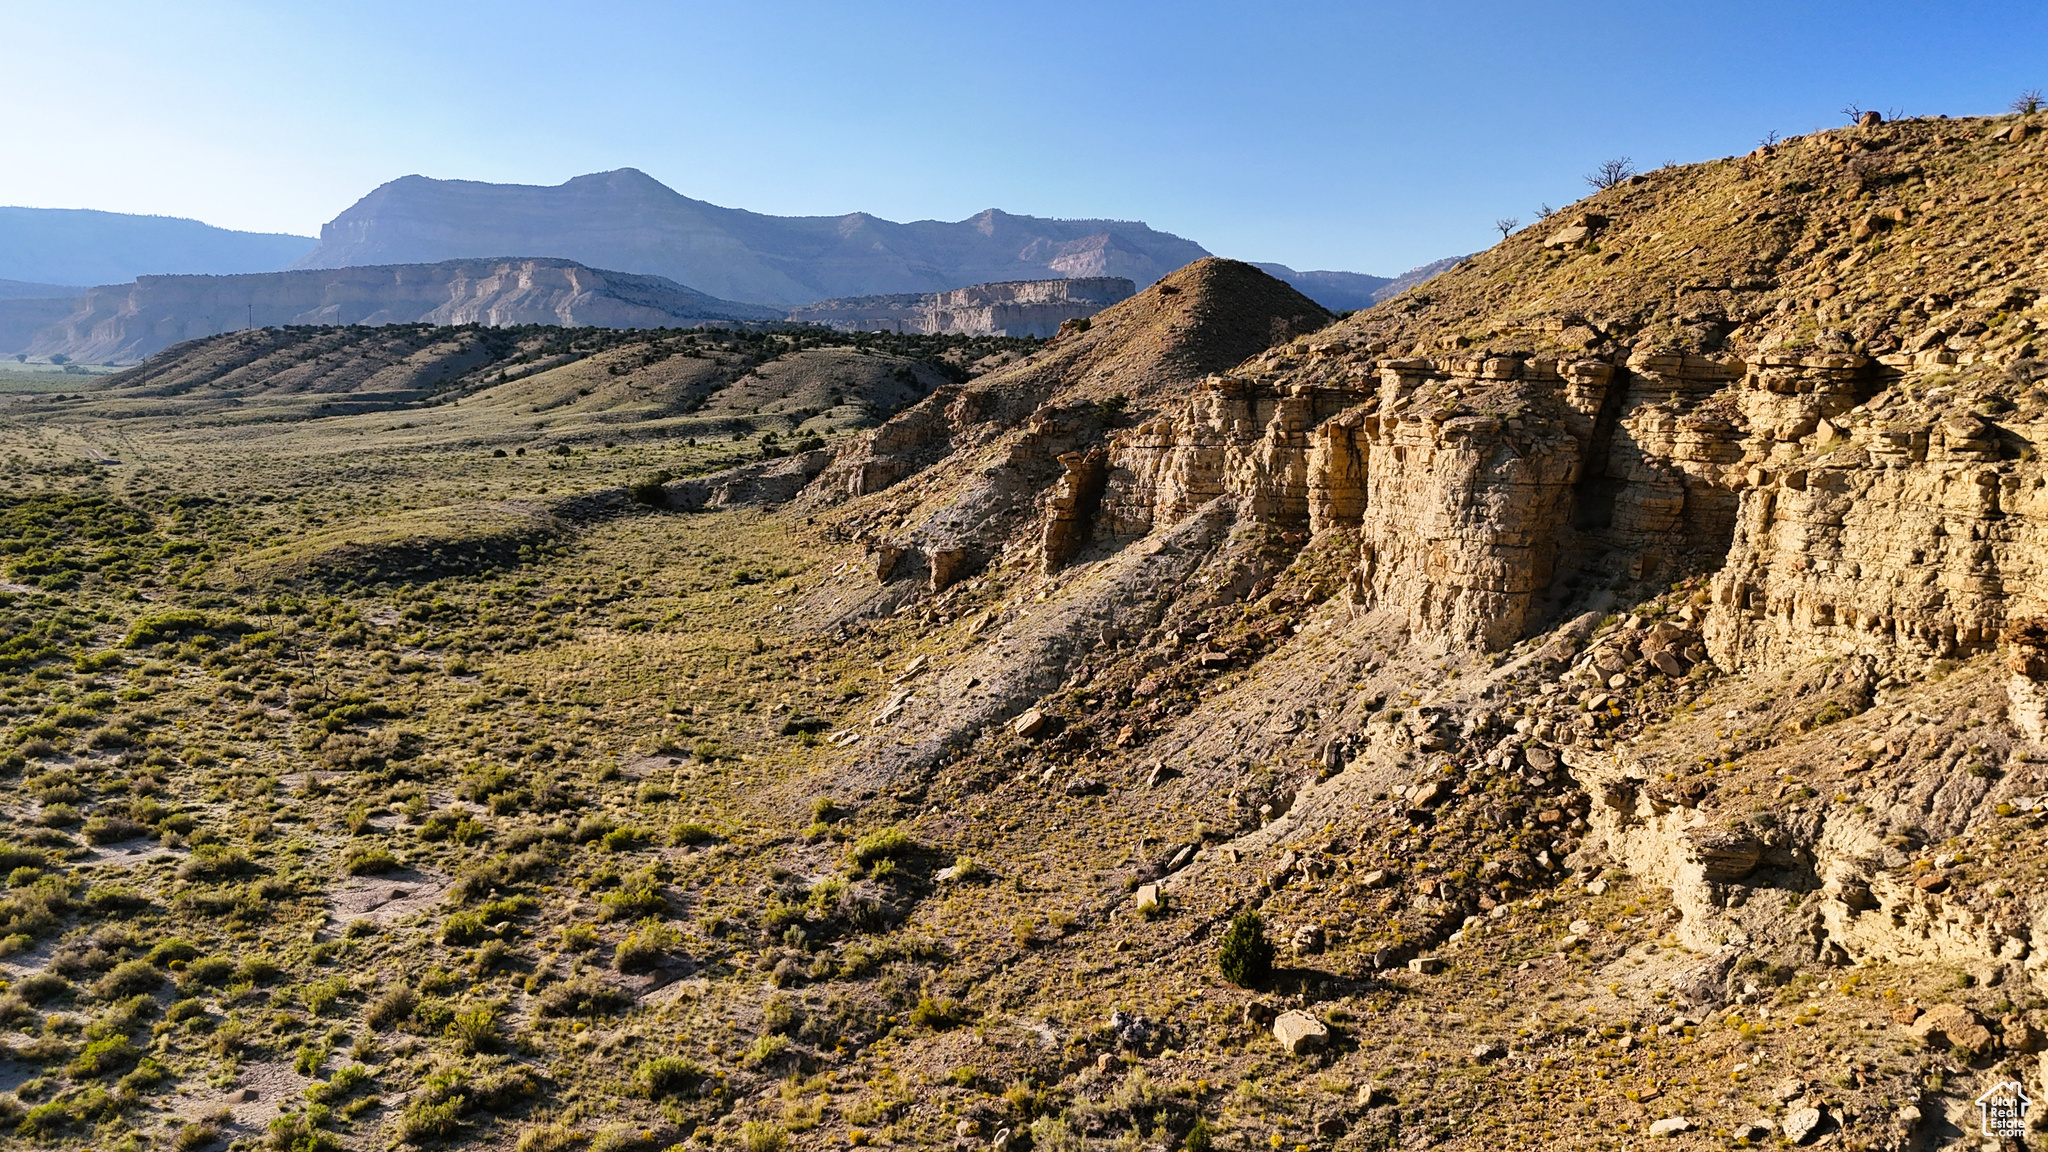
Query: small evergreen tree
{"x":1246,"y":956}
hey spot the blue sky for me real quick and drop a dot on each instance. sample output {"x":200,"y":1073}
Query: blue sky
{"x":1363,"y":136}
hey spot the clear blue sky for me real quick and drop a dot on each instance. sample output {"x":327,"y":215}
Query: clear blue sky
{"x":1369,"y":136}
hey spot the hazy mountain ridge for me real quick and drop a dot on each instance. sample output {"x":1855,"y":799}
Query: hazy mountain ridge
{"x":87,"y":246}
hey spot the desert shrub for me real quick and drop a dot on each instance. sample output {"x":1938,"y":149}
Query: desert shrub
{"x":123,"y":1018}
{"x":646,"y":946}
{"x":339,"y":1086}
{"x":551,"y":1137}
{"x":647,"y":489}
{"x":102,"y":1057}
{"x":634,"y":899}
{"x":667,"y":1076}
{"x":425,"y":1119}
{"x":585,"y":996}
{"x":687,"y":834}
{"x":475,"y":1031}
{"x":624,"y":839}
{"x":111,"y":829}
{"x":163,"y":626}
{"x":763,"y":1136}
{"x":45,"y":1119}
{"x":129,"y":978}
{"x":465,"y":928}
{"x":938,"y":1015}
{"x":320,"y":995}
{"x":454,"y":825}
{"x":1246,"y":956}
{"x":42,"y":987}
{"x":208,"y":972}
{"x":391,"y":1008}
{"x":192,"y":1137}
{"x":886,"y":844}
{"x":172,"y":949}
{"x":300,"y":1132}
{"x":368,"y":860}
{"x":214,"y":862}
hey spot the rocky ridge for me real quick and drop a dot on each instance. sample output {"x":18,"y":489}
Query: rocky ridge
{"x":1687,"y":481}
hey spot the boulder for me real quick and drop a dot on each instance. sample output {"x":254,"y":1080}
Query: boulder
{"x":2021,"y":1036}
{"x":1671,"y":1126}
{"x":1803,"y":1124}
{"x":945,"y":565}
{"x":1570,"y":237}
{"x":1300,"y":1033}
{"x":884,"y":561}
{"x":1426,"y":965}
{"x":1953,"y":1026}
{"x":1029,"y":724}
{"x":1428,"y":794}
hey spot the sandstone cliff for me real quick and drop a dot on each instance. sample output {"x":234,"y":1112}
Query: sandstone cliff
{"x":128,"y":322}
{"x":1018,"y":308}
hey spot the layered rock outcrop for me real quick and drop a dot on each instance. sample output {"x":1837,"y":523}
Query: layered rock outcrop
{"x":1015,"y":308}
{"x":127,"y":322}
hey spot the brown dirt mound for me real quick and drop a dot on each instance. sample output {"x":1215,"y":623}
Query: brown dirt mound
{"x":1204,"y":318}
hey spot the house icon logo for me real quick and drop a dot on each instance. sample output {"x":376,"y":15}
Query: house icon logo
{"x":2004,"y":1107}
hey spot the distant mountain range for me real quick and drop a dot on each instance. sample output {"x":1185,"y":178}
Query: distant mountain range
{"x":124,"y":323}
{"x":623,"y":220}
{"x":630,"y":221}
{"x":58,"y":246}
